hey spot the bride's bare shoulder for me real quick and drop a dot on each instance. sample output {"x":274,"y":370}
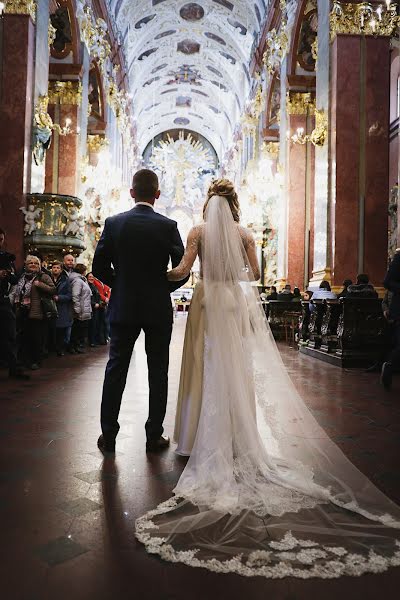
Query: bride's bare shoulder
{"x":246,"y":235}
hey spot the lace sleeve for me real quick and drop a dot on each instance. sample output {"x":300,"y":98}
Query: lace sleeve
{"x":192,"y":248}
{"x":250,"y":247}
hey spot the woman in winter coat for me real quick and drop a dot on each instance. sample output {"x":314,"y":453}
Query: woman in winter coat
{"x":63,"y":299}
{"x":81,"y":307}
{"x":27,"y":296}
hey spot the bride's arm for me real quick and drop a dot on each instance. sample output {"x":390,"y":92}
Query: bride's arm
{"x":252,"y":257}
{"x":192,"y":247}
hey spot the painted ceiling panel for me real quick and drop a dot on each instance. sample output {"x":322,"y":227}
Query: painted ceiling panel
{"x":188,"y":63}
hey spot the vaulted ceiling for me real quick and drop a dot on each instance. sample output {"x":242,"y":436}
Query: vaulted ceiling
{"x":188,"y":63}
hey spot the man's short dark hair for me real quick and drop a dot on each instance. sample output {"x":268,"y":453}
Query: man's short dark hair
{"x":325,"y":285}
{"x":273,"y":288}
{"x":80,"y":268}
{"x":347,"y":282}
{"x":145,"y":184}
{"x":362,"y":279}
{"x":2,"y":232}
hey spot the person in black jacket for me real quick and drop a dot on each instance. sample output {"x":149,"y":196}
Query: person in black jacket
{"x":392,"y":283}
{"x":132,"y":256}
{"x":8,"y":345}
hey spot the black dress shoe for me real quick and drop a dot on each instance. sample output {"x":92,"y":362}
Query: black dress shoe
{"x":386,"y":375}
{"x":106,"y":446}
{"x":156,"y":445}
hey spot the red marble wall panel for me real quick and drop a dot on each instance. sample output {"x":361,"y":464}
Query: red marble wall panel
{"x":345,"y":156}
{"x":377,"y":102}
{"x":296,"y":205}
{"x":16,"y":90}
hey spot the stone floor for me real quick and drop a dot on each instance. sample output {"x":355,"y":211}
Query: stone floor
{"x":67,"y":515}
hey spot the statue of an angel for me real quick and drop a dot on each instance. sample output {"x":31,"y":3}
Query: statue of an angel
{"x":72,"y":226}
{"x":31,"y":214}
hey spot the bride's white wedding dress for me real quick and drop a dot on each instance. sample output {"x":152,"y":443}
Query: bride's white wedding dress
{"x":265,"y":490}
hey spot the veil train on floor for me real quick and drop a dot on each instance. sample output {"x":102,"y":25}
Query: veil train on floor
{"x":265,"y":491}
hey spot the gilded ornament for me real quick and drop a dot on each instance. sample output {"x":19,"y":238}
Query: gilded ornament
{"x":21,"y":7}
{"x":298,"y":103}
{"x":96,"y":143}
{"x":65,"y":92}
{"x":51,"y":34}
{"x":270,"y":149}
{"x":363,"y":19}
{"x":277,"y":42}
{"x":42,"y":129}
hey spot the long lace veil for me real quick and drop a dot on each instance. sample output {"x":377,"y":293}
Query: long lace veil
{"x":265,"y":490}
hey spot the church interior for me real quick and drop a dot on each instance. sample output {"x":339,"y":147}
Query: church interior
{"x":297,"y":102}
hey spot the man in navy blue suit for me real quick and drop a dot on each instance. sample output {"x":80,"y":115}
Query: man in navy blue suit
{"x":132,"y":257}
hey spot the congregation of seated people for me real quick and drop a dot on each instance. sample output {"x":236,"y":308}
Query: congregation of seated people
{"x":56,"y":310}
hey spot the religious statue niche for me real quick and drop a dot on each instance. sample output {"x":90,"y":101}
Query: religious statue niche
{"x":192,"y":12}
{"x":184,"y":74}
{"x":185,"y":163}
{"x":307,"y":37}
{"x":274,"y":105}
{"x":61,"y":21}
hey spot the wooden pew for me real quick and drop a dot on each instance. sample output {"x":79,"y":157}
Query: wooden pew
{"x":277,"y":314}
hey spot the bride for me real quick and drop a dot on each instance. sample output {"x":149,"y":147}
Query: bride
{"x":265,"y":491}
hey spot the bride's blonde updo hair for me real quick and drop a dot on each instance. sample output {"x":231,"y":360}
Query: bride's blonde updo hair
{"x":225,"y":188}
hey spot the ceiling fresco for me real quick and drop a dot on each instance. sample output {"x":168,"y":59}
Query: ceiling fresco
{"x":188,"y":63}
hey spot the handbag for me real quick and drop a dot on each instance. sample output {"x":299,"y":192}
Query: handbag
{"x":49,"y":307}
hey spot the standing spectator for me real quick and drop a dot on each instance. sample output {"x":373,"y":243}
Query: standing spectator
{"x":362,"y":289}
{"x":81,"y":306}
{"x":63,"y":299}
{"x":103,"y":326}
{"x":68,"y":267}
{"x":273,"y":295}
{"x":392,"y":283}
{"x":49,"y":323}
{"x":94,"y":323}
{"x":286,"y":294}
{"x":324,"y":292}
{"x":68,"y":263}
{"x":8,"y":346}
{"x":27,"y":295}
{"x":344,"y":292}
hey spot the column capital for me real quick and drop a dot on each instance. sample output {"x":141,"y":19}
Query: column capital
{"x":299,"y":103}
{"x":65,"y":92}
{"x":21,"y":7}
{"x":349,"y":18}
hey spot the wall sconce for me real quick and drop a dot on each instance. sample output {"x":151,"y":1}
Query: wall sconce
{"x":317,"y":137}
{"x":2,"y":8}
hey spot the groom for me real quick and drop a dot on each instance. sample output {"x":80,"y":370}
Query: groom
{"x":132,"y":257}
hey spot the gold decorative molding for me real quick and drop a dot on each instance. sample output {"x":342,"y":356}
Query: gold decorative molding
{"x":277,"y":42}
{"x":322,"y":275}
{"x":298,"y":103}
{"x":51,"y":34}
{"x":270,"y":149}
{"x":65,"y":92}
{"x":21,"y":7}
{"x":363,"y":19}
{"x":96,"y":143}
{"x":319,"y":134}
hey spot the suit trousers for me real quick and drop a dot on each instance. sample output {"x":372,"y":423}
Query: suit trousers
{"x":8,"y":345}
{"x":123,"y":338}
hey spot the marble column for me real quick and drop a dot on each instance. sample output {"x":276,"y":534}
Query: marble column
{"x":282,"y":250}
{"x":63,"y":157}
{"x":17,"y":55}
{"x":359,"y":154}
{"x":300,"y":192}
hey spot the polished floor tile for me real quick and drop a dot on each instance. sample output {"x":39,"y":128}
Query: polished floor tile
{"x":67,"y":513}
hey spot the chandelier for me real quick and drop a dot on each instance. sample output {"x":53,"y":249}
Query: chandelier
{"x":364,"y":18}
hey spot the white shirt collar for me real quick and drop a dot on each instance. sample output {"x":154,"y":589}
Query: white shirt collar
{"x":144,"y":204}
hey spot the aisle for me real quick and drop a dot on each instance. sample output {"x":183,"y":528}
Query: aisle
{"x":67,"y":515}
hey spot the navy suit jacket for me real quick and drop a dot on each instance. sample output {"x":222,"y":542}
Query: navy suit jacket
{"x":132,"y":257}
{"x":392,"y":283}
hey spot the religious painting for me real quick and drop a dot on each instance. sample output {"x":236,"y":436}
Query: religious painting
{"x":192,"y":12}
{"x":94,"y":97}
{"x":184,"y":101}
{"x":188,"y":47}
{"x":184,"y":74}
{"x":181,"y":121}
{"x":307,"y":37}
{"x":274,"y":105}
{"x":61,"y":22}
